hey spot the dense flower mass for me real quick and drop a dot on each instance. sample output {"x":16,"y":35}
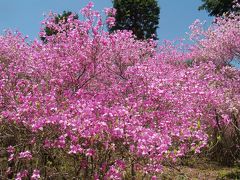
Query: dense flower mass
{"x":90,"y":104}
{"x":221,"y":42}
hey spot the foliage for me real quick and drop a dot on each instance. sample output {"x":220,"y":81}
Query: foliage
{"x":92,"y":104}
{"x":219,"y":7}
{"x":139,"y":16}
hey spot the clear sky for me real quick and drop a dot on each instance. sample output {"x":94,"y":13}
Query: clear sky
{"x":26,"y":15}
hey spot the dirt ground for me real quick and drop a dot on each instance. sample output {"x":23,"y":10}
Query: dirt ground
{"x":201,"y":169}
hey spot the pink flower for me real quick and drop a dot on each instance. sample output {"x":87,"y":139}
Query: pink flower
{"x":11,"y":157}
{"x":110,"y":21}
{"x":10,"y":149}
{"x":35,"y":175}
{"x":110,"y":11}
{"x":21,"y":175}
{"x":74,"y":149}
{"x":25,"y":155}
{"x":90,"y":152}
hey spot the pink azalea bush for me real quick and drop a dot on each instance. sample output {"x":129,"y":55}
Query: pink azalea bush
{"x":220,"y":43}
{"x":105,"y":106}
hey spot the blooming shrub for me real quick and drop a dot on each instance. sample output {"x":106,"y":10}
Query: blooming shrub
{"x":220,"y":43}
{"x":105,"y":106}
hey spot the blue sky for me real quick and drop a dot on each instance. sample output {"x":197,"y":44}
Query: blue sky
{"x":26,"y":15}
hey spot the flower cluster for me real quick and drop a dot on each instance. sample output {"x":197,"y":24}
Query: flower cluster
{"x":220,"y":43}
